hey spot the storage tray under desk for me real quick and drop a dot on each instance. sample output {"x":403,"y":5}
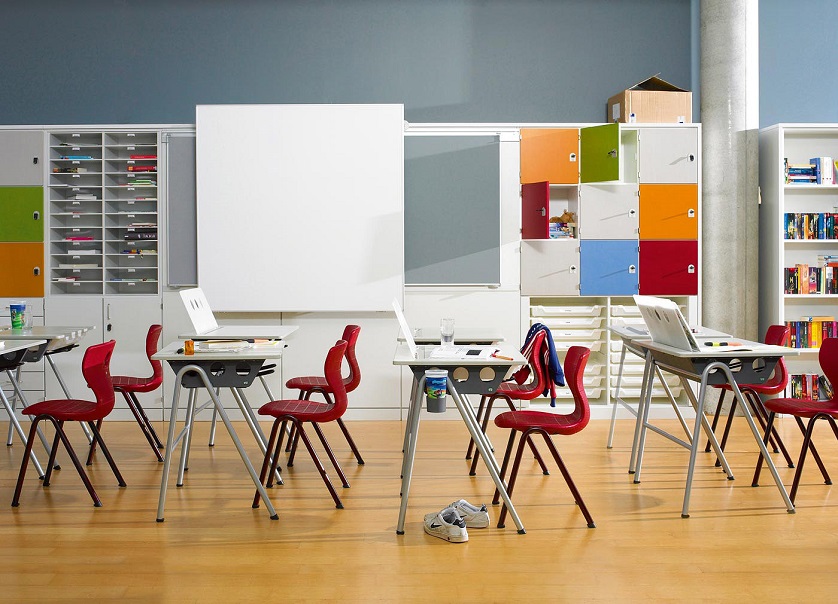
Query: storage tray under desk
{"x":233,"y":373}
{"x":470,"y":379}
{"x":745,"y":369}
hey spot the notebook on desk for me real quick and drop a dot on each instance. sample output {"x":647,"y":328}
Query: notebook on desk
{"x":666,"y":323}
{"x":206,"y":327}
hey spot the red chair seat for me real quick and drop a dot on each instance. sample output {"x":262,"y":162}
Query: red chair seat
{"x":308,"y":382}
{"x":68,"y":410}
{"x":801,"y":407}
{"x":303,"y":409}
{"x":127,"y":383}
{"x":550,"y":423}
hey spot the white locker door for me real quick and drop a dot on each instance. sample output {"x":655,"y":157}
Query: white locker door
{"x":668,"y":155}
{"x":550,"y":267}
{"x":608,"y":211}
{"x":126,"y":319}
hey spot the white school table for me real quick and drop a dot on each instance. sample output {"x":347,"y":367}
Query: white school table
{"x":747,"y":363}
{"x":58,"y":339}
{"x":627,"y":335}
{"x":480,"y":376}
{"x":12,"y":353}
{"x":210,"y":370}
{"x":244,"y":332}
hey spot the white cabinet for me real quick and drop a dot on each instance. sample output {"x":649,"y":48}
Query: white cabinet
{"x":668,"y":155}
{"x":125,"y":319}
{"x":786,"y":257}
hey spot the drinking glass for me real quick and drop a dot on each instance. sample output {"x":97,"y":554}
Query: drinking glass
{"x":446,"y":331}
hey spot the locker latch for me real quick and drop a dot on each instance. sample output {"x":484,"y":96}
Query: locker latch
{"x":691,"y":269}
{"x":632,"y":213}
{"x":613,"y":153}
{"x":691,"y":213}
{"x":632,"y":269}
{"x":543,"y":212}
{"x":572,"y":268}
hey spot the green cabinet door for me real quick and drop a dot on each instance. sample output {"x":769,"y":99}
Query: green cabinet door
{"x":599,"y":153}
{"x":21,"y":213}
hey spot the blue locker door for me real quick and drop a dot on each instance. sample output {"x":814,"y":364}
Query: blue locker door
{"x":608,"y":267}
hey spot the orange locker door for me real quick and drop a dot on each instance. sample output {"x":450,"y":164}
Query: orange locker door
{"x":550,"y":154}
{"x":21,"y":273}
{"x":669,"y":211}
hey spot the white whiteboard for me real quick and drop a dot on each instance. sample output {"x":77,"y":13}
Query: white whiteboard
{"x":300,"y":207}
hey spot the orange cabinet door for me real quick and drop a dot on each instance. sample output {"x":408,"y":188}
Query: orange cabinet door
{"x":21,"y":270}
{"x":550,"y":154}
{"x":669,"y":211}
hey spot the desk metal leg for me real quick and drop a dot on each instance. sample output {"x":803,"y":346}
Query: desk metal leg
{"x":187,"y":435}
{"x":614,"y":405}
{"x":411,"y":433}
{"x":10,"y":436}
{"x":253,"y":423}
{"x":15,"y":425}
{"x":227,"y":424}
{"x":485,"y":451}
{"x":708,"y":429}
{"x":645,"y":401}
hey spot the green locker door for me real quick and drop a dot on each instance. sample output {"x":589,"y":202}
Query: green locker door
{"x":599,"y":153}
{"x":21,"y":213}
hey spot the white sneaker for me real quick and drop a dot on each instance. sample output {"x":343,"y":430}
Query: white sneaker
{"x":446,"y":525}
{"x":475,"y":517}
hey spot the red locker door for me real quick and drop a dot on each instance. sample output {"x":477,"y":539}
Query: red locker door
{"x":535,"y":210}
{"x":669,"y":268}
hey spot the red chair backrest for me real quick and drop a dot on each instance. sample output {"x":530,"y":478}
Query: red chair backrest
{"x":534,"y":368}
{"x":95,"y":367}
{"x":828,"y":359}
{"x":350,"y":336}
{"x":332,"y":371}
{"x":151,"y":346}
{"x":574,"y":370}
{"x":777,"y":335}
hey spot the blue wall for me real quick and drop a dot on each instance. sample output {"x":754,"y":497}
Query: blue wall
{"x":798,"y":79}
{"x":152,"y":61}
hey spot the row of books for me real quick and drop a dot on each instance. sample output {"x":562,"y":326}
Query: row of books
{"x":810,"y":332}
{"x":808,"y":386}
{"x":818,"y":171}
{"x":805,"y":279}
{"x":811,"y":225}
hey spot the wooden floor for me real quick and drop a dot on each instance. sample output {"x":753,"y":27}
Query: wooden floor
{"x":739,"y":545}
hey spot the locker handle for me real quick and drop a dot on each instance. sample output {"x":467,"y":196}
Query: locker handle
{"x":691,"y":156}
{"x":691,"y":213}
{"x":691,"y":269}
{"x":36,"y":271}
{"x":36,"y":215}
{"x":573,"y":268}
{"x":632,"y":213}
{"x":632,"y":269}
{"x":612,"y":153}
{"x":543,"y":212}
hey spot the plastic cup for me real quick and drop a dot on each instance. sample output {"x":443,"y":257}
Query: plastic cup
{"x":446,"y":332}
{"x":436,"y":389}
{"x":18,"y":314}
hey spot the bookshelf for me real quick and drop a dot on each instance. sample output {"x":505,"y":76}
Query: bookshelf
{"x":103,"y":212}
{"x":797,"y":237}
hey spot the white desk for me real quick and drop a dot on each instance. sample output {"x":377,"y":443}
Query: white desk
{"x":212,"y":370}
{"x":12,"y":354}
{"x":748,"y":363}
{"x":471,"y":383}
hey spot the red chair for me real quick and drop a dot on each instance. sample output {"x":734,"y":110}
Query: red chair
{"x":776,"y":335}
{"x":308,"y":385}
{"x":813,"y":410}
{"x":128,"y":386}
{"x":516,"y":389}
{"x":95,"y":368}
{"x":300,"y":411}
{"x":547,"y":424}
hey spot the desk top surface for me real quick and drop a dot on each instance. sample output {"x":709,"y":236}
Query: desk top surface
{"x":462,"y":335}
{"x":510,"y":357}
{"x":743,"y":348}
{"x":7,"y":345}
{"x":47,"y":332}
{"x":639,"y":332}
{"x":243,"y":332}
{"x":174,"y":352}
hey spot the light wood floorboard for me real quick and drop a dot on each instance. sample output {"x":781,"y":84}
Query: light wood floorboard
{"x":739,"y":545}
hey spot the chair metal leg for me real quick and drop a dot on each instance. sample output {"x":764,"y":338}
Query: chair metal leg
{"x":302,"y":434}
{"x":716,"y":415}
{"x":815,"y":454}
{"x":92,"y":447}
{"x":571,"y":485}
{"x":331,"y":455}
{"x":268,"y":460}
{"x":504,"y":465}
{"x":144,"y":423}
{"x":351,"y":442}
{"x":513,"y":475}
{"x":98,"y":437}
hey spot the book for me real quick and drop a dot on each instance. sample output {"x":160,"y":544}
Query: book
{"x":221,"y":345}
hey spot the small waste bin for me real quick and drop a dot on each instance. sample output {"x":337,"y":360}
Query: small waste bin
{"x":436,"y":389}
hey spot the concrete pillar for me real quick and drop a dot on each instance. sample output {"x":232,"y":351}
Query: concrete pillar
{"x":730,"y":153}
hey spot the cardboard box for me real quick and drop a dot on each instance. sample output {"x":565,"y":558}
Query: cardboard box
{"x":652,"y":100}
